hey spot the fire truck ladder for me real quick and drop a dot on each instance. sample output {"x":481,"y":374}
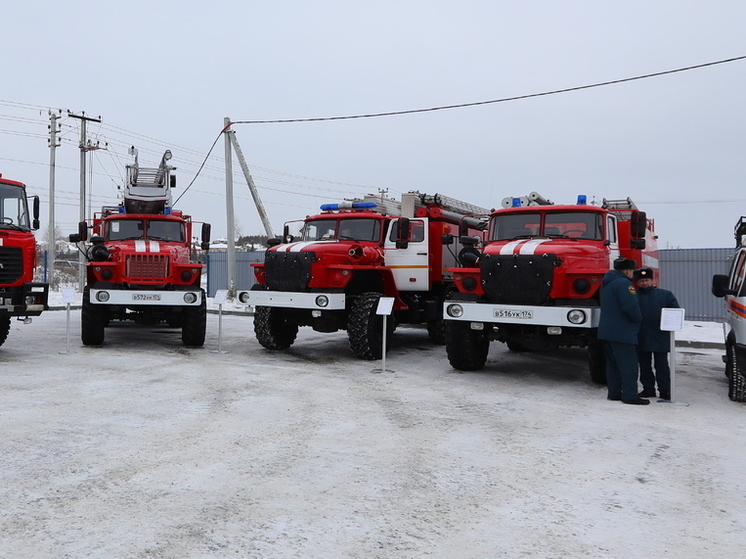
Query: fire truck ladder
{"x":623,"y":208}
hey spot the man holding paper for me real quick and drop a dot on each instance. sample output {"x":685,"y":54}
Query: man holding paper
{"x":653,"y":344}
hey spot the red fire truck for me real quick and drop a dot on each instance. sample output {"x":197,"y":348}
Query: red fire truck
{"x":535,"y":283}
{"x":140,"y":260}
{"x":346,"y":258}
{"x":20,"y":295}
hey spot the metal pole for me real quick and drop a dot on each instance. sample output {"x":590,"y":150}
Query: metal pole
{"x":230,"y":218}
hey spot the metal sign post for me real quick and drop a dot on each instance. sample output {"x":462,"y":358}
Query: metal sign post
{"x":672,"y":320}
{"x":220,"y":296}
{"x":68,"y":297}
{"x":385,"y":307}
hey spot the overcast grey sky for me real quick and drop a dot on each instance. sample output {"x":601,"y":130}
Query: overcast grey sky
{"x":164,"y":74}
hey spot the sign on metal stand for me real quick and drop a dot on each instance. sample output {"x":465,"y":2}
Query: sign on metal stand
{"x":672,"y":320}
{"x":68,"y":297}
{"x":384,"y":309}
{"x":219,"y":299}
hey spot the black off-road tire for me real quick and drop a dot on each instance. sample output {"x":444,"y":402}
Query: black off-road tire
{"x":93,"y":320}
{"x":4,"y":327}
{"x":194,"y":324}
{"x":365,"y":327}
{"x":736,"y":380}
{"x":436,"y":331}
{"x":597,"y":362}
{"x":467,"y":349}
{"x":273,"y":328}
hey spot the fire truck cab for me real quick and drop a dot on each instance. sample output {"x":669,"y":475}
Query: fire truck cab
{"x":732,"y":288}
{"x":536,"y":283}
{"x":20,"y":295}
{"x":332,"y":275}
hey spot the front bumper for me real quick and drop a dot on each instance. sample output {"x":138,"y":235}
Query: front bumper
{"x":29,"y":299}
{"x":133,"y":298}
{"x":521,"y":314}
{"x":294,"y":300}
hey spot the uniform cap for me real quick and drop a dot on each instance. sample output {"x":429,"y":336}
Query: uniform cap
{"x":643,"y":273}
{"x":624,"y":264}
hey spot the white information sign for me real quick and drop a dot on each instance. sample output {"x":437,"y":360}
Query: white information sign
{"x":672,"y":320}
{"x":385,"y":305}
{"x":220,"y":296}
{"x":68,"y":295}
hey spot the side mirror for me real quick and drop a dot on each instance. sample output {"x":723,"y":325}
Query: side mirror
{"x":447,"y":239}
{"x":637,"y":244}
{"x":720,"y":285}
{"x":286,"y":236}
{"x":81,"y":235}
{"x":639,"y":224}
{"x":205,"y":245}
{"x":172,"y":181}
{"x":35,"y":222}
{"x":402,"y":232}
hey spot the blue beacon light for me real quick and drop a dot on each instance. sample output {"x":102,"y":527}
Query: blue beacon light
{"x":582,"y":200}
{"x":348,"y":206}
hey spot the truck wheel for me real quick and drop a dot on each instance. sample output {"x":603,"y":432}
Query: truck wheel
{"x":92,"y":321}
{"x":4,"y":328}
{"x":194,"y":324}
{"x":273,"y":329}
{"x":365,"y":327}
{"x":436,"y":331}
{"x":467,"y":349}
{"x":597,"y":362}
{"x":736,"y":381}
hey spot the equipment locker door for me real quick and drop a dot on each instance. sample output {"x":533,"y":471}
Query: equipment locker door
{"x":410,"y":266}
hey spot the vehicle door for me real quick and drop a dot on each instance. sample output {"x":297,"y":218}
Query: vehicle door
{"x":410,"y":265}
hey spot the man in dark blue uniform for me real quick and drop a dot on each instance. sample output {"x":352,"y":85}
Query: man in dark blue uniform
{"x":618,"y":327}
{"x":653,"y":343}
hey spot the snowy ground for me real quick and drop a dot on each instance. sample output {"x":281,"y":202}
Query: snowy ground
{"x":145,"y":449}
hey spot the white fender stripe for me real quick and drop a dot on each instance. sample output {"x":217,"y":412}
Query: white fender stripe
{"x":530,"y":246}
{"x":140,"y":246}
{"x":510,"y":247}
{"x":155,"y":246}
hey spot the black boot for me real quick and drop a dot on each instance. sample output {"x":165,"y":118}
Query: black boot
{"x":637,"y":402}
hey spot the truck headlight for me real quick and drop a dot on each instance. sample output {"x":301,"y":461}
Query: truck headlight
{"x":322,"y":301}
{"x":190,"y":297}
{"x":102,"y":296}
{"x":243,"y":297}
{"x":576,"y":316}
{"x":455,"y":310}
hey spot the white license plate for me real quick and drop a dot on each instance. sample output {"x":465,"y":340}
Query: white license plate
{"x":140,"y":297}
{"x":507,"y":313}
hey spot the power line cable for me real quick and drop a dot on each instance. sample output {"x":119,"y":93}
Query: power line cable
{"x":503,"y":100}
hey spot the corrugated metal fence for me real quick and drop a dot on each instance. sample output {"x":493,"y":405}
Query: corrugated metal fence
{"x":685,"y":271}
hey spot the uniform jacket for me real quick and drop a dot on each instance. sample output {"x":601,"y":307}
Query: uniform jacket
{"x":652,"y":300}
{"x":620,"y":309}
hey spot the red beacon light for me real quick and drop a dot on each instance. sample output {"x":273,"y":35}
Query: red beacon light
{"x":348,"y":206}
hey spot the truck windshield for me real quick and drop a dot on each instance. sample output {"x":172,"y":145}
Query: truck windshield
{"x":162,"y":230}
{"x":134,"y":229}
{"x":342,"y":229}
{"x":13,"y":208}
{"x":570,"y":225}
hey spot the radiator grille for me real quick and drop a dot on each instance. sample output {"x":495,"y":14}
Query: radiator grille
{"x":11,"y":264}
{"x":288,"y":271}
{"x":147,"y":266}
